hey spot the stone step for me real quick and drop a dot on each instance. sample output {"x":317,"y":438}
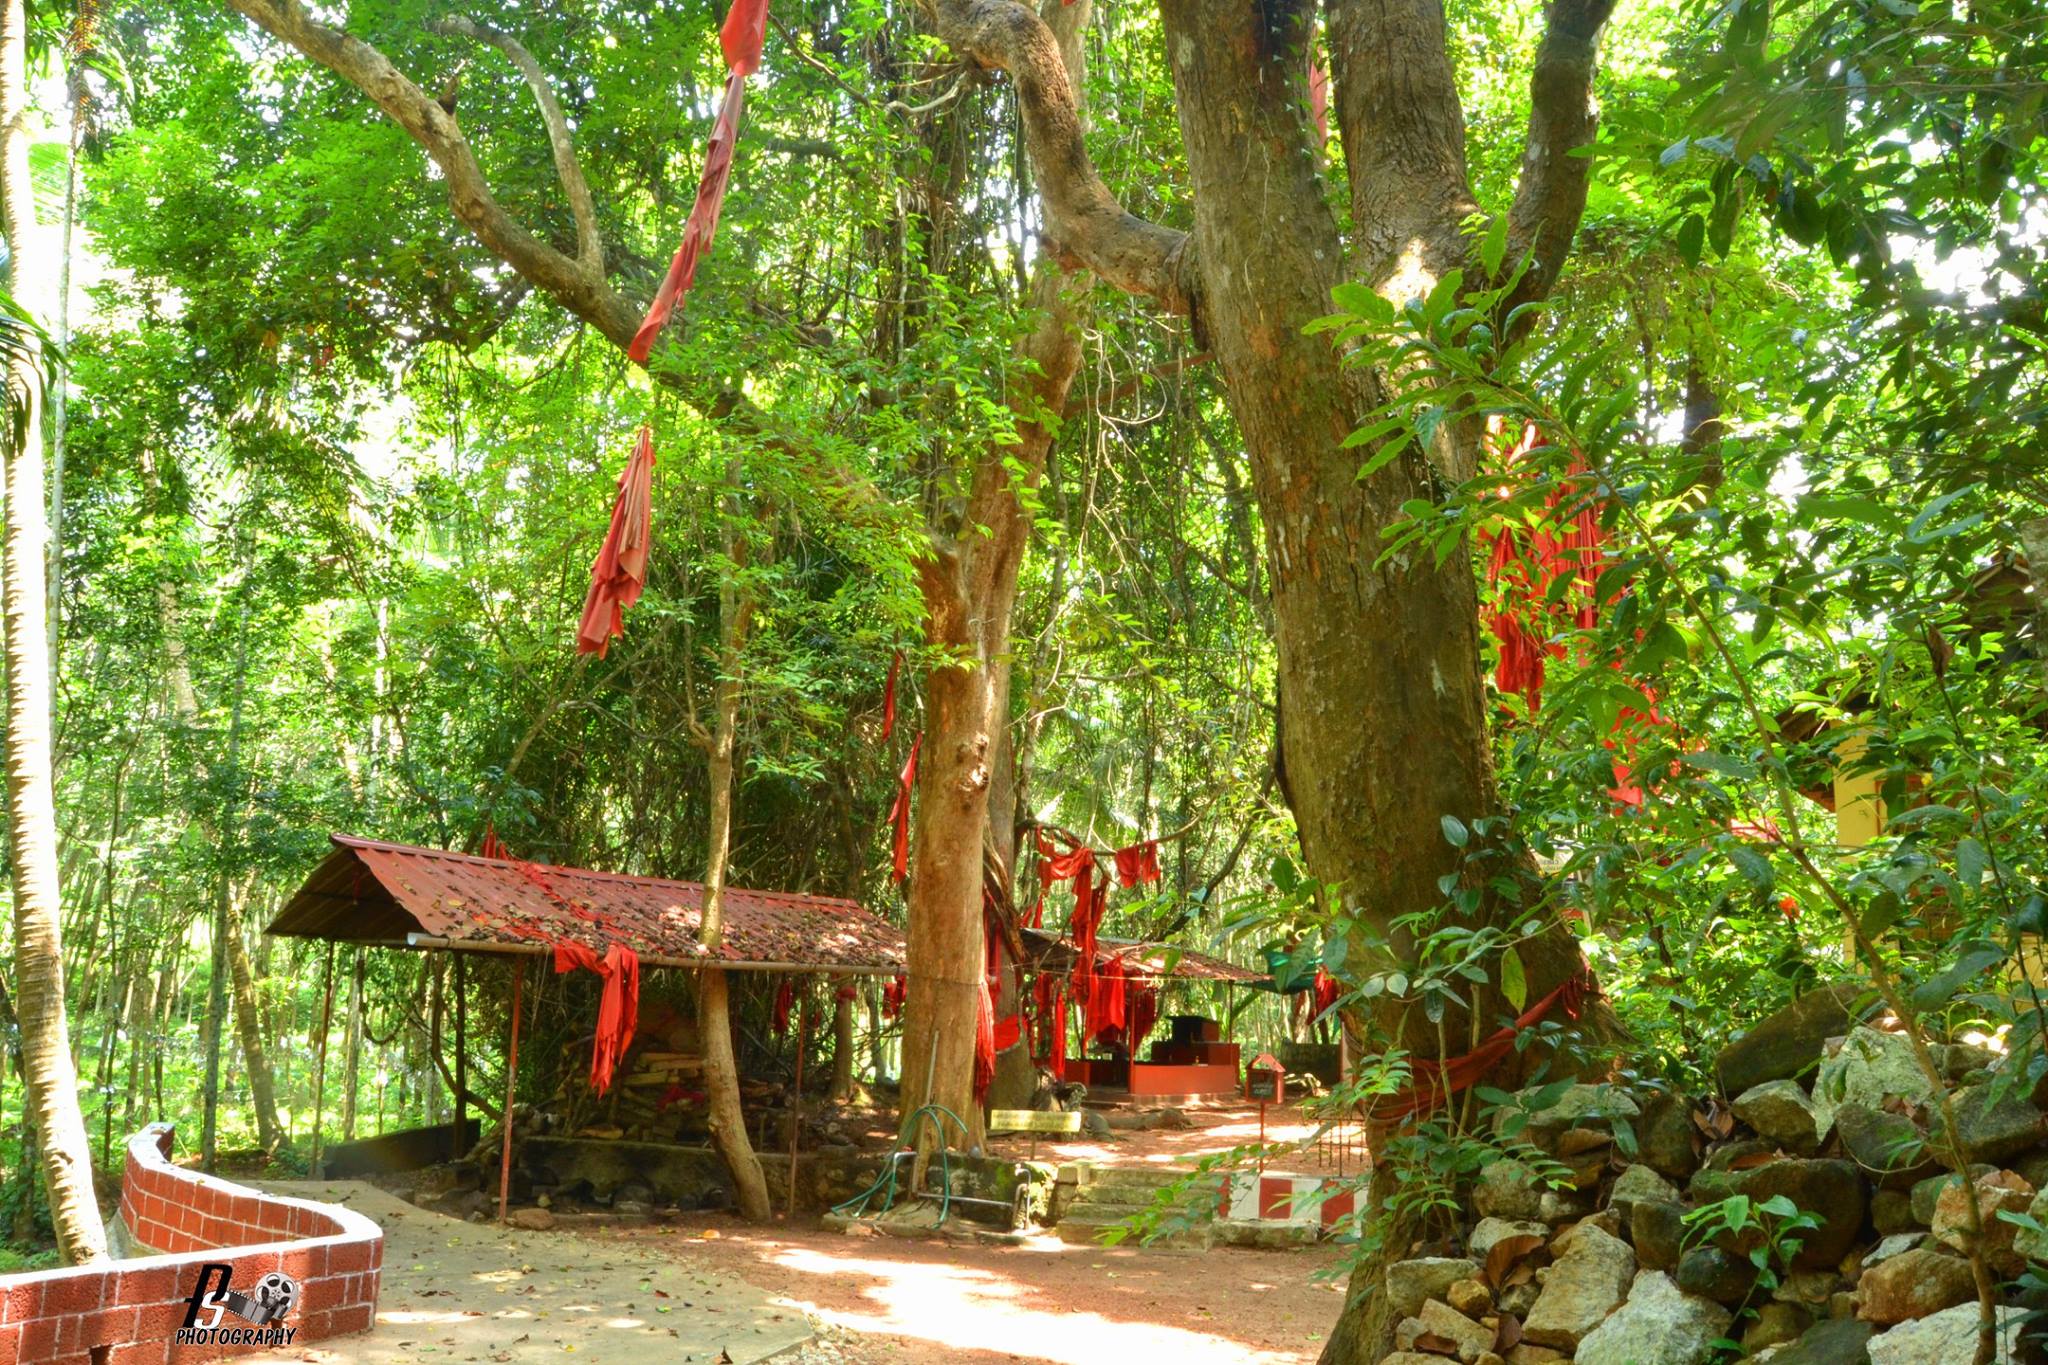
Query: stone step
{"x":1084,"y":1232}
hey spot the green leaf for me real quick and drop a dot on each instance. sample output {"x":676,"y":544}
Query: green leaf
{"x":1455,"y":833}
{"x":1977,"y":957}
{"x":1514,"y":984}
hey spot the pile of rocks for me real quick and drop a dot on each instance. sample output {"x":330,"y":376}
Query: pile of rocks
{"x":1834,"y":1115}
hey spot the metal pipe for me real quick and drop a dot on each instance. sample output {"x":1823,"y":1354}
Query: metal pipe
{"x":511,"y":1079}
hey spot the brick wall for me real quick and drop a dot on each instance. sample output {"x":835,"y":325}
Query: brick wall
{"x":128,"y":1312}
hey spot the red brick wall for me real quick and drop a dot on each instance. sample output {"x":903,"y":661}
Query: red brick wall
{"x":127,"y":1312}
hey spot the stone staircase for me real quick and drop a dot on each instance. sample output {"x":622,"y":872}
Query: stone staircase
{"x":1088,"y":1201}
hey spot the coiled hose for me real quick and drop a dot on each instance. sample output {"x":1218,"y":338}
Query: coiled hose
{"x":885,"y":1183}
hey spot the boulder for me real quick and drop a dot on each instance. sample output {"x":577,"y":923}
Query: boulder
{"x":1529,"y":1353}
{"x":1564,"y":1206}
{"x":1470,"y":1297}
{"x":1889,"y":1147}
{"x":2029,"y":1242}
{"x":1440,"y":1320}
{"x":1839,"y":1341}
{"x":1927,"y":1193}
{"x":1960,"y":1060}
{"x":1999,"y":1191}
{"x":1490,"y":1232}
{"x":531,"y":1220}
{"x":1579,"y":1106}
{"x":1913,"y":1284}
{"x":1658,"y":1231}
{"x":1639,"y":1183}
{"x":1830,"y":1190}
{"x":1659,"y":1325}
{"x":1715,"y":1274}
{"x":1994,"y":1123}
{"x":1590,"y":1280}
{"x":1781,"y":1113}
{"x":1411,"y":1283}
{"x":1893,"y":1245}
{"x":1776,"y":1324}
{"x":1872,"y":1067}
{"x":1891,"y":1211}
{"x":1946,"y":1338}
{"x":1508,"y":1189}
{"x":1666,"y":1140}
{"x":1788,"y":1043}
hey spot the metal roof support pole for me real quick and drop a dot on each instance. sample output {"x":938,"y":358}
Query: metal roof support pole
{"x":320,"y":1058}
{"x":511,"y":1080}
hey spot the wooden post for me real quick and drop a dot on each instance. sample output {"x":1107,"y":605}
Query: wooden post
{"x":796,"y":1104}
{"x":511,"y":1078}
{"x":462,"y":1050}
{"x":320,"y":1059}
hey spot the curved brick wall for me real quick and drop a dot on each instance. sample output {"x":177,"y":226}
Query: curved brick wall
{"x":129,"y":1311}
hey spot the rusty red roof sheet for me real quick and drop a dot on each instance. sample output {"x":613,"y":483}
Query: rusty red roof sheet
{"x":372,"y":892}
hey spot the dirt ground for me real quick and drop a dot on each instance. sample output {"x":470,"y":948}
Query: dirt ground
{"x":901,"y":1302}
{"x":1215,"y":1128}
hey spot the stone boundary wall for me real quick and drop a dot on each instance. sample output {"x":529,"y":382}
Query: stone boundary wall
{"x":128,"y":1312}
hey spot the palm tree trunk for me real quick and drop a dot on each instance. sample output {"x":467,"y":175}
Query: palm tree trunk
{"x":47,"y":1068}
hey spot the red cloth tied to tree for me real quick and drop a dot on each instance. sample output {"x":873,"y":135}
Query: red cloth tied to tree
{"x":785,"y":1001}
{"x":620,"y":570}
{"x":1141,"y":1011}
{"x":1138,"y":863}
{"x":984,"y":1041}
{"x":741,"y":36}
{"x":1050,"y":998}
{"x":1326,"y":990}
{"x":899,"y":813}
{"x":618,"y":1009}
{"x":493,"y":846}
{"x":1524,"y":564}
{"x":889,"y":697}
{"x":1104,"y":1009}
{"x":892,"y":997}
{"x":1432,"y":1083}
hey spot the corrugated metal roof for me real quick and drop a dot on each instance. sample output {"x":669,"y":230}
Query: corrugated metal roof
{"x":372,"y":892}
{"x":1056,"y":953}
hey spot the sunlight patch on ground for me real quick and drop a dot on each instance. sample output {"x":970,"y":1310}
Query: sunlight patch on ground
{"x":974,"y":1310}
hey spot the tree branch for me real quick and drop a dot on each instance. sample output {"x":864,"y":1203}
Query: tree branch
{"x":1550,"y":195}
{"x":1087,"y":222}
{"x":589,"y":245}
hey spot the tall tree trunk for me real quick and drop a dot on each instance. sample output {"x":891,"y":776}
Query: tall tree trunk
{"x":969,"y":581}
{"x":249,"y":1024}
{"x":842,"y":1047}
{"x":48,"y":1071}
{"x":351,"y":1078}
{"x":714,"y":1008}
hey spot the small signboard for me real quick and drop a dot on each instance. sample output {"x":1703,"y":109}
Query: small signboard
{"x":1265,"y":1079}
{"x":1033,"y":1121}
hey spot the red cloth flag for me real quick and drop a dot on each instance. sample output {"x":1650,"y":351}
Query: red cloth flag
{"x":889,"y":698}
{"x":618,"y":1009}
{"x":1138,"y":863}
{"x":740,"y":37}
{"x":899,"y":814}
{"x":620,"y":570}
{"x":984,"y":1041}
{"x":1432,"y":1083}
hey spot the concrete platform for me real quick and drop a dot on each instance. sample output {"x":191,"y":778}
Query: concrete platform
{"x":460,"y":1292}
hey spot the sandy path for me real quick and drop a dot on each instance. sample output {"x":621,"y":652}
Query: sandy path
{"x":935,"y":1303}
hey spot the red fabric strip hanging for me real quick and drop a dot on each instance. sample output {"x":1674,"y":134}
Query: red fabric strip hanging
{"x":785,"y":1000}
{"x":892,"y":997}
{"x":492,"y":847}
{"x":889,"y":698}
{"x":899,"y":813}
{"x":618,"y":1009}
{"x":740,"y":37}
{"x":984,"y":1041}
{"x":620,"y":569}
{"x":1138,"y":863}
{"x":1432,"y":1083}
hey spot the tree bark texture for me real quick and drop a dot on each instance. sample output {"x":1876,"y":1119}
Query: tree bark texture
{"x":48,"y":1071}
